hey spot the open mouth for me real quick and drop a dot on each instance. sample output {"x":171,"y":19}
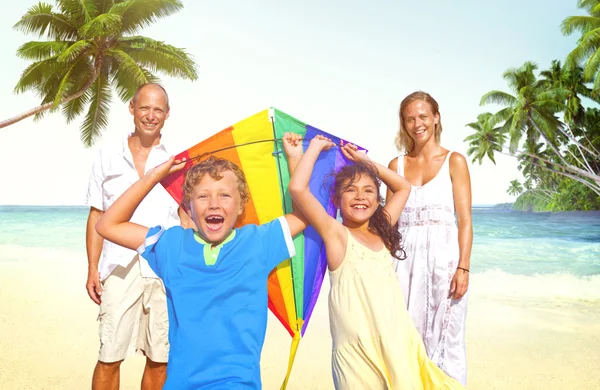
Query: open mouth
{"x":359,"y":207}
{"x":214,"y":222}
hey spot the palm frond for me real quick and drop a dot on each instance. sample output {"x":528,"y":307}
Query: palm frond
{"x":75,"y":107}
{"x":127,"y":67}
{"x":37,"y":51}
{"x":160,"y":57}
{"x":137,"y":14}
{"x":36,"y":74}
{"x":69,"y":84}
{"x":582,"y":24}
{"x":81,"y":11}
{"x":103,"y":25}
{"x":74,"y":51}
{"x":96,"y":118}
{"x":498,"y":97}
{"x":41,"y":20}
{"x":126,"y":86}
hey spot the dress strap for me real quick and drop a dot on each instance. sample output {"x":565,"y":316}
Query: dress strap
{"x":400,"y":165}
{"x":447,"y":162}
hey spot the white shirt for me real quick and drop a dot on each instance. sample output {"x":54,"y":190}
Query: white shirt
{"x":113,"y":172}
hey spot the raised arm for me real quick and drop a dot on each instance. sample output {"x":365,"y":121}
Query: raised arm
{"x":114,"y":225}
{"x":292,"y":146}
{"x":396,"y":184}
{"x":314,"y":212}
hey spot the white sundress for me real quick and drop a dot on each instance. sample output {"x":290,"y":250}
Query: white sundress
{"x":430,"y":240}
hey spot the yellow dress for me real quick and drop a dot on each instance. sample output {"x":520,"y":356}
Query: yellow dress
{"x":375,"y":344}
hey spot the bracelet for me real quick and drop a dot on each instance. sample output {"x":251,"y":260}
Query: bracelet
{"x":464,"y":269}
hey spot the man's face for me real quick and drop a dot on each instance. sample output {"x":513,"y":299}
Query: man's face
{"x":150,"y":109}
{"x":215,"y":206}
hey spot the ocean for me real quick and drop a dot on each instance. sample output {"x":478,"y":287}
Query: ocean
{"x":537,"y":255}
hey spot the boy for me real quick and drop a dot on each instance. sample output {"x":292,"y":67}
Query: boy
{"x":216,"y":278}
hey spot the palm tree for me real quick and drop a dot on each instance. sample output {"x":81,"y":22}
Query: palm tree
{"x":572,"y":79}
{"x":531,"y":112}
{"x":487,"y":138}
{"x":92,"y":48}
{"x":587,"y":51}
{"x":515,"y":188}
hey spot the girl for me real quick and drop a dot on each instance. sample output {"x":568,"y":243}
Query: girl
{"x":435,"y":275}
{"x":375,"y":345}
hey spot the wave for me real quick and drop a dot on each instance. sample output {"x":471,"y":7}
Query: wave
{"x":18,"y":253}
{"x":555,"y":285}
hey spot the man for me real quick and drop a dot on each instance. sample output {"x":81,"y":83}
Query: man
{"x":133,"y":310}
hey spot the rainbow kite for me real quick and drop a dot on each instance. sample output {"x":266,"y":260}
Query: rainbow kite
{"x":254,"y":145}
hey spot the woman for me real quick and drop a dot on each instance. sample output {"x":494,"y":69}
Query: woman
{"x":435,"y":275}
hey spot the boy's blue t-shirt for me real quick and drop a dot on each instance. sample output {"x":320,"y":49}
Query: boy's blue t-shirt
{"x":217,"y":313}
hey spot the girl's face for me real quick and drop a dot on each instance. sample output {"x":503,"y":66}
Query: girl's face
{"x":359,"y":200}
{"x":420,"y":122}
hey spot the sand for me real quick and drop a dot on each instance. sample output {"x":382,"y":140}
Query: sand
{"x":48,"y":337}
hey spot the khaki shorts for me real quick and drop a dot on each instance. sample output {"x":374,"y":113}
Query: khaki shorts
{"x":133,"y":316}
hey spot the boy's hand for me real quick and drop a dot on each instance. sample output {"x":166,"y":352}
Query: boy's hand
{"x":165,"y":169}
{"x":322,"y":142}
{"x":352,"y":153}
{"x":292,"y":145}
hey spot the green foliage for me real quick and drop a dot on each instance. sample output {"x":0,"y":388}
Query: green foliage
{"x":574,"y":196}
{"x":90,"y":50}
{"x":544,"y":124}
{"x":530,"y":201}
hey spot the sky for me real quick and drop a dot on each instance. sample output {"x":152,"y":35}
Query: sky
{"x":341,"y":66}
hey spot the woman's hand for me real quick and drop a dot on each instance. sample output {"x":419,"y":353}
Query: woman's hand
{"x":460,"y":283}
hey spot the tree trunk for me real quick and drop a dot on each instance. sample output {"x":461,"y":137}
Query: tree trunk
{"x":568,"y":167}
{"x":47,"y":106}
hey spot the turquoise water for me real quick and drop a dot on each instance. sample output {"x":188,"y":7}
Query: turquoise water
{"x":513,"y":253}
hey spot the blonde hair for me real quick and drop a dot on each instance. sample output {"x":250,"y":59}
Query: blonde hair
{"x":403,"y":141}
{"x":214,"y":167}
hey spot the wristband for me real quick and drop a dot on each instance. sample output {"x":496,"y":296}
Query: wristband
{"x":464,"y":269}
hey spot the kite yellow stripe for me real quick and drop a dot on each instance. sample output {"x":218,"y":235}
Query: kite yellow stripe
{"x":268,"y":201}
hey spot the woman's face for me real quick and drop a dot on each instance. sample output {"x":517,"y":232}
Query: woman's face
{"x":419,"y":121}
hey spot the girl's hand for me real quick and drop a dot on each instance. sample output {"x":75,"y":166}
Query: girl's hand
{"x":322,"y":142}
{"x":165,"y":169}
{"x":352,"y":153}
{"x":292,"y":145}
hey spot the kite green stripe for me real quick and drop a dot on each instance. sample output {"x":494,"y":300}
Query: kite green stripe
{"x":283,"y":124}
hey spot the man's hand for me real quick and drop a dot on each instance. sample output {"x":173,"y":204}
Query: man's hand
{"x":93,"y":287}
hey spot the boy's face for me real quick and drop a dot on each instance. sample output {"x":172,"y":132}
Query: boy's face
{"x":215,"y":206}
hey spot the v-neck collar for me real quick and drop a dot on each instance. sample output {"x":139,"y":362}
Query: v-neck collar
{"x":211,"y":254}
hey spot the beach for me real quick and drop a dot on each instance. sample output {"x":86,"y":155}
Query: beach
{"x":49,"y":337}
{"x":527,"y":327}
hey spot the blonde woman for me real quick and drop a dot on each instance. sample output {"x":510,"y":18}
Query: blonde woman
{"x":437,"y":233}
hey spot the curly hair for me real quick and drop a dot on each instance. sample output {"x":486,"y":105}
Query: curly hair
{"x":214,"y":167}
{"x":403,"y":141}
{"x":379,"y":222}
